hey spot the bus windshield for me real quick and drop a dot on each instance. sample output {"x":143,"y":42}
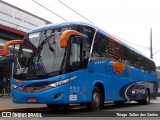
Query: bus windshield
{"x":40,"y":55}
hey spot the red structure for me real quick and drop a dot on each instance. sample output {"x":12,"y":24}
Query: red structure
{"x":15,"y":22}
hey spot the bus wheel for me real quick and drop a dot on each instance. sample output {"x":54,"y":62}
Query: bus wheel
{"x":146,"y":101}
{"x":97,"y":101}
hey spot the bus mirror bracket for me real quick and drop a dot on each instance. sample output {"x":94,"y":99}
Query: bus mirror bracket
{"x":66,"y":34}
{"x":7,"y":44}
{"x":92,"y":59}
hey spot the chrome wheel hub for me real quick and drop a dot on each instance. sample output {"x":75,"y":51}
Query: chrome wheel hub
{"x":96,"y":99}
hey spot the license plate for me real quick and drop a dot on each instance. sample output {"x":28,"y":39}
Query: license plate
{"x":32,"y":100}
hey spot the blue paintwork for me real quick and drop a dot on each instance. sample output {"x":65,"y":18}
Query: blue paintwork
{"x":100,"y":71}
{"x":96,"y":72}
{"x":47,"y":96}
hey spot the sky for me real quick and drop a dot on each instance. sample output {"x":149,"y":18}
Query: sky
{"x":130,"y":20}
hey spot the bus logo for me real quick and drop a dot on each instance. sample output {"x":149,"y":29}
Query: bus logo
{"x":118,"y":67}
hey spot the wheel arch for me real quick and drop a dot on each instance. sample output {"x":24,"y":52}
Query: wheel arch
{"x":101,"y":87}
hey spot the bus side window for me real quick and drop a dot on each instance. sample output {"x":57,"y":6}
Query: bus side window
{"x":100,"y":48}
{"x":115,"y":50}
{"x":75,"y":55}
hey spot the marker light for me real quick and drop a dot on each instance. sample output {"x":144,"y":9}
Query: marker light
{"x":133,"y":92}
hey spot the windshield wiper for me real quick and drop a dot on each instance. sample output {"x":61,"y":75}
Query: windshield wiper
{"x":40,"y":47}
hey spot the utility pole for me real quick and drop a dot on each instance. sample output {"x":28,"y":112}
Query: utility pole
{"x":151,"y":44}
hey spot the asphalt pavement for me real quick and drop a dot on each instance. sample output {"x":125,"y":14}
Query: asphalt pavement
{"x":6,"y":104}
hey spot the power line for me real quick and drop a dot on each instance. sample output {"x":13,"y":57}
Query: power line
{"x":94,"y":23}
{"x":156,"y":59}
{"x":49,"y":10}
{"x":75,"y":11}
{"x":156,"y":52}
{"x":82,"y":17}
{"x":87,"y":20}
{"x":128,"y":41}
{"x":136,"y":44}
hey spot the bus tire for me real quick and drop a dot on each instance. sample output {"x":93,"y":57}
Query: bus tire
{"x":97,"y":100}
{"x":146,"y":101}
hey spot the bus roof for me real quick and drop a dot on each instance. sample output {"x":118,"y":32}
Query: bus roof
{"x":57,"y":25}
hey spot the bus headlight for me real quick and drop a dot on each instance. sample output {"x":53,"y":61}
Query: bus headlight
{"x":59,"y":83}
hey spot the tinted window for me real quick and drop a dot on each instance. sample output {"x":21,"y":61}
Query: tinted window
{"x":115,"y":50}
{"x":100,"y":48}
{"x":138,"y":61}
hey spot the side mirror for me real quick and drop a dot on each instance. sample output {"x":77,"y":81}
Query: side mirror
{"x":6,"y":45}
{"x":65,"y":36}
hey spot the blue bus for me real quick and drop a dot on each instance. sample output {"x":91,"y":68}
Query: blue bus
{"x":78,"y":63}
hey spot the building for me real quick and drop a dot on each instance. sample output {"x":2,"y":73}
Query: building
{"x":14,"y":23}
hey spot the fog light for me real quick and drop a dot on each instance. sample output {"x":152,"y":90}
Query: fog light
{"x":57,"y":95}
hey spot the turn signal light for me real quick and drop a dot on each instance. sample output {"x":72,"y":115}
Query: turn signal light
{"x":19,"y":81}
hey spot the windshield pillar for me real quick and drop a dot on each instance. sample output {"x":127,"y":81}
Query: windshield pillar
{"x":91,"y":50}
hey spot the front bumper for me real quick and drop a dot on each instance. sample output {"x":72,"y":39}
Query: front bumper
{"x":45,"y":97}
